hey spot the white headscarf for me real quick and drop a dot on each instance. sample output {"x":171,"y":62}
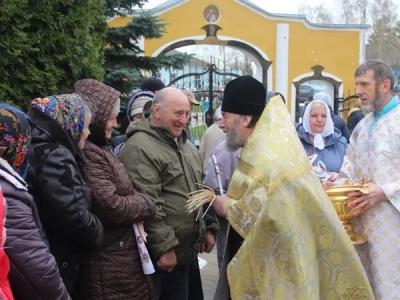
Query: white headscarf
{"x":328,"y":129}
{"x":218,"y":113}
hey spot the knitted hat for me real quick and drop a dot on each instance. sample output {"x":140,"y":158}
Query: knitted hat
{"x":152,"y":84}
{"x":244,"y":95}
{"x":67,"y":110}
{"x":143,"y":95}
{"x":137,"y":106}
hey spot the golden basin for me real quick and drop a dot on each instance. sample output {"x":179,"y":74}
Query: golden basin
{"x":339,"y":199}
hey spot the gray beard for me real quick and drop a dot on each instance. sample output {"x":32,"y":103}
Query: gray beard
{"x":368,"y":108}
{"x":232,"y":140}
{"x":232,"y":144}
{"x":374,"y":105}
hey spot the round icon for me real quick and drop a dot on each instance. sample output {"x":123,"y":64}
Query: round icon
{"x":211,"y":14}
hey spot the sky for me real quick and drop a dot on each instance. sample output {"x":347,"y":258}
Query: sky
{"x":276,"y":6}
{"x":281,"y":6}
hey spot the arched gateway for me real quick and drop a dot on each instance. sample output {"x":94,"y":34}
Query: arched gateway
{"x":283,"y":47}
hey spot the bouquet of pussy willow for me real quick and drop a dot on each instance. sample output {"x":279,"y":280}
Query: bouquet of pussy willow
{"x":205,"y":194}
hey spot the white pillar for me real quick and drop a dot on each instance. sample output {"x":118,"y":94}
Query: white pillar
{"x":259,"y":70}
{"x":282,"y":60}
{"x":362,"y":46}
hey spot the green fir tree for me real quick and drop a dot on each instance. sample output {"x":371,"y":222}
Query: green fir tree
{"x":124,"y":59}
{"x":46,"y":45}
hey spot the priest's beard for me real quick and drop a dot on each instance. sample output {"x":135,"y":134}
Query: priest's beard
{"x":234,"y":136}
{"x":373,"y":106}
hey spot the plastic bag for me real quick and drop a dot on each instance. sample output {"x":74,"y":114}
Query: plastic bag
{"x":319,"y":168}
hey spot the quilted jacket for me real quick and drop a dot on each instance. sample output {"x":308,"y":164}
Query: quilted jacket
{"x":114,"y":270}
{"x":34,"y":273}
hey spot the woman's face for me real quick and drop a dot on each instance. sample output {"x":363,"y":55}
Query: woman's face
{"x":137,"y":117}
{"x":317,"y":119}
{"x":85,"y":132}
{"x":111,"y":124}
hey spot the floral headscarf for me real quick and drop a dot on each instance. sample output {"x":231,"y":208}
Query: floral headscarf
{"x":67,"y":110}
{"x":15,"y":137}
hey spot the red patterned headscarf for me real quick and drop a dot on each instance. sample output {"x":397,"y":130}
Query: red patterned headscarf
{"x":15,"y":137}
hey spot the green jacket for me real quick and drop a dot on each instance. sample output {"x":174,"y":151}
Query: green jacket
{"x":167,"y":171}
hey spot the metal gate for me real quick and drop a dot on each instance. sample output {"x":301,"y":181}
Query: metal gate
{"x":208,"y":87}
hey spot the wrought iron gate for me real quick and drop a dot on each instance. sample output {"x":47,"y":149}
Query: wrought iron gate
{"x":207,"y":85}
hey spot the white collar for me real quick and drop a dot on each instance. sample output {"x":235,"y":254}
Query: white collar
{"x":11,"y":176}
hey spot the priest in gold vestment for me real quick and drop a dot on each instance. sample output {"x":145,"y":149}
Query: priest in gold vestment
{"x":291,"y":242}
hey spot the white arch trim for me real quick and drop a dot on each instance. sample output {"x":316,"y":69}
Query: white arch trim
{"x":305,"y":75}
{"x":224,"y":38}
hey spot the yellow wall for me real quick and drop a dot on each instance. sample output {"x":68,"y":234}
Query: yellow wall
{"x":336,"y":50}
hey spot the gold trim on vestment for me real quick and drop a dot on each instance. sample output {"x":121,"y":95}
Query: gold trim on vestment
{"x":279,"y":180}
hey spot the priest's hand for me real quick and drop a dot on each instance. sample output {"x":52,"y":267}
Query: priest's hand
{"x":167,"y":261}
{"x":365,"y":201}
{"x":219,"y":205}
{"x":208,"y":243}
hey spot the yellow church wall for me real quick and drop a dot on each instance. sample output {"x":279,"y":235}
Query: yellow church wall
{"x":307,"y":47}
{"x":337,"y":51}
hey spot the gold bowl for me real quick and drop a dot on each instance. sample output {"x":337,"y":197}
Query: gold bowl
{"x":340,"y":200}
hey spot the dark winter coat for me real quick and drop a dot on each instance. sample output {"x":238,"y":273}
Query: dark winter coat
{"x":112,"y":271}
{"x":356,"y":115}
{"x":61,"y":195}
{"x":333,"y":153}
{"x":34,"y":273}
{"x":340,"y":125}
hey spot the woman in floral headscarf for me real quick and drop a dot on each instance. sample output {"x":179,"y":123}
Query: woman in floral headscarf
{"x":55,"y":181}
{"x":34,"y":273}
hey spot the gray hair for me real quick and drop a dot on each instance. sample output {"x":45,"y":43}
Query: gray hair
{"x":89,"y":108}
{"x":160,"y":97}
{"x":381,"y":71}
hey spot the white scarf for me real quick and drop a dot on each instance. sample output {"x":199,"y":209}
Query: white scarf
{"x":328,"y":128}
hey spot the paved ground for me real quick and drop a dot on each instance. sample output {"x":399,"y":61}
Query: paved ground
{"x":209,"y":274}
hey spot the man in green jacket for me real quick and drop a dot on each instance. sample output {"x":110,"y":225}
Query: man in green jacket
{"x":165,"y":166}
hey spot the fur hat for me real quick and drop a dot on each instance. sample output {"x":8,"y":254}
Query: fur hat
{"x":244,"y":95}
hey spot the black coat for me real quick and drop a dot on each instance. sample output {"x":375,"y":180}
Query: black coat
{"x":33,"y":273}
{"x":61,"y":195}
{"x":340,"y":125}
{"x":355,"y":117}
